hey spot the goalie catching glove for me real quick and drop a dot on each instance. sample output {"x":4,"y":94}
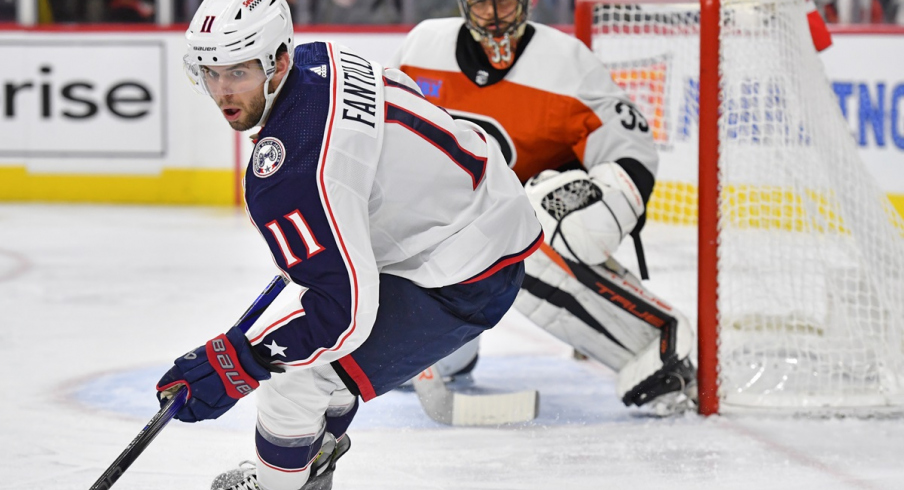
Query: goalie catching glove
{"x":217,"y":375}
{"x":586,"y":216}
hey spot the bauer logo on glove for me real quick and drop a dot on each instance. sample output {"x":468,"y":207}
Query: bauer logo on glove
{"x":217,"y":375}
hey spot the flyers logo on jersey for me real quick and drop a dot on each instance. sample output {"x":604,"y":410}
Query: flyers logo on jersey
{"x":429,"y":87}
{"x":269,"y":154}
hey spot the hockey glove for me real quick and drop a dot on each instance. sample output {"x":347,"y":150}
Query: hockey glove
{"x":217,"y":375}
{"x":585,"y":216}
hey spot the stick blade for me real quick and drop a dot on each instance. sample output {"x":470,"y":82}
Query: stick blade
{"x":459,"y":409}
{"x":495,"y":409}
{"x":435,"y":397}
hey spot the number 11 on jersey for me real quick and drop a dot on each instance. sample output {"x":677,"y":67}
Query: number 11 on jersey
{"x":311,"y":244}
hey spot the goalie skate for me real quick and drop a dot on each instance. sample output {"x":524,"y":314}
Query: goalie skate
{"x":670,"y":390}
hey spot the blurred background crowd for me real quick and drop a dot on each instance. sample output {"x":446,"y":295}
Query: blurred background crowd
{"x":387,"y":12}
{"x":306,"y":12}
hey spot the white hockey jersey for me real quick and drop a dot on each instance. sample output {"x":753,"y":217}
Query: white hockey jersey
{"x":356,"y":174}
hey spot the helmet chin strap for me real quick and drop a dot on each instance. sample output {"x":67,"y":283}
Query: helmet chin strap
{"x":269,"y":98}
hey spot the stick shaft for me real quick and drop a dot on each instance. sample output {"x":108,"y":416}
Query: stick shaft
{"x":141,"y":441}
{"x":262,"y":302}
{"x":166,"y":413}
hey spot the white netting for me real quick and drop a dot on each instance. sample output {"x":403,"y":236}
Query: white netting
{"x":811,"y":257}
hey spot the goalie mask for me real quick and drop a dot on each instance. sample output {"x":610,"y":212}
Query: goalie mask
{"x":233,"y":45}
{"x":497,"y":25}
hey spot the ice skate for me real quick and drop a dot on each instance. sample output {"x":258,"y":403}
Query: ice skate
{"x":321,"y":478}
{"x":325,"y":464}
{"x":242,"y":478}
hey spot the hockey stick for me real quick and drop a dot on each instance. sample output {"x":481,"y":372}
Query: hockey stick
{"x":141,"y":441}
{"x":459,"y":409}
{"x":176,"y":402}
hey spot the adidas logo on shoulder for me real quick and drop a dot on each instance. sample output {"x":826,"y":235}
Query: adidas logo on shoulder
{"x":320,"y":70}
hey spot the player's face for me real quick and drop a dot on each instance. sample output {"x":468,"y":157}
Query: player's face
{"x":238,"y":91}
{"x":494,"y":15}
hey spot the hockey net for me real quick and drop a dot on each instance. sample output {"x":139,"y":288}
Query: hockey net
{"x":800,"y":259}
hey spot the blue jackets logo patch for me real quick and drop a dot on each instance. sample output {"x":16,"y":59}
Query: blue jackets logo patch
{"x":269,"y":154}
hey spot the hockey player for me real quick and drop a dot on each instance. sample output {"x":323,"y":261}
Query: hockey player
{"x":402,"y":230}
{"x":587,"y":157}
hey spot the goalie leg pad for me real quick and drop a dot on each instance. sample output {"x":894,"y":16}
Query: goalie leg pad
{"x":569,"y":327}
{"x":565,"y":306}
{"x":607,"y":314}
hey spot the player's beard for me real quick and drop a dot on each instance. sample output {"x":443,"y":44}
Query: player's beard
{"x":252,"y":110}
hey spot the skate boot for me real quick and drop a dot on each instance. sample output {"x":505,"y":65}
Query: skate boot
{"x":325,"y":463}
{"x":321,"y":477}
{"x":242,"y":478}
{"x":676,"y":391}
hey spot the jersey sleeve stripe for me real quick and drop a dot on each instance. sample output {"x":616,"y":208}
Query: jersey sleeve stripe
{"x":395,"y":84}
{"x":507,"y":260}
{"x":276,"y":325}
{"x":444,"y":141}
{"x":282,"y":470}
{"x":354,"y":371}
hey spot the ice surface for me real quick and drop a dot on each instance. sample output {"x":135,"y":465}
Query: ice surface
{"x":95,"y":301}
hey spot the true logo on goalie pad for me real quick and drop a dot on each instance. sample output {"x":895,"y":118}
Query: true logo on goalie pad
{"x":269,"y":154}
{"x":622,"y":294}
{"x":632,"y":307}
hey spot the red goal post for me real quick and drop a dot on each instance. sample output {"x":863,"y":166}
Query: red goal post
{"x":800,"y":270}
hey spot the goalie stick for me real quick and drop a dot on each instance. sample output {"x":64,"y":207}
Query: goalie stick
{"x":459,"y":409}
{"x":166,"y":413}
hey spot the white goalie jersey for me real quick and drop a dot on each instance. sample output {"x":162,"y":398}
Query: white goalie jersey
{"x":557,"y":103}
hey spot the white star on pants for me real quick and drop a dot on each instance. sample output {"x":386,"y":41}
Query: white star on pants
{"x":275,"y":349}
